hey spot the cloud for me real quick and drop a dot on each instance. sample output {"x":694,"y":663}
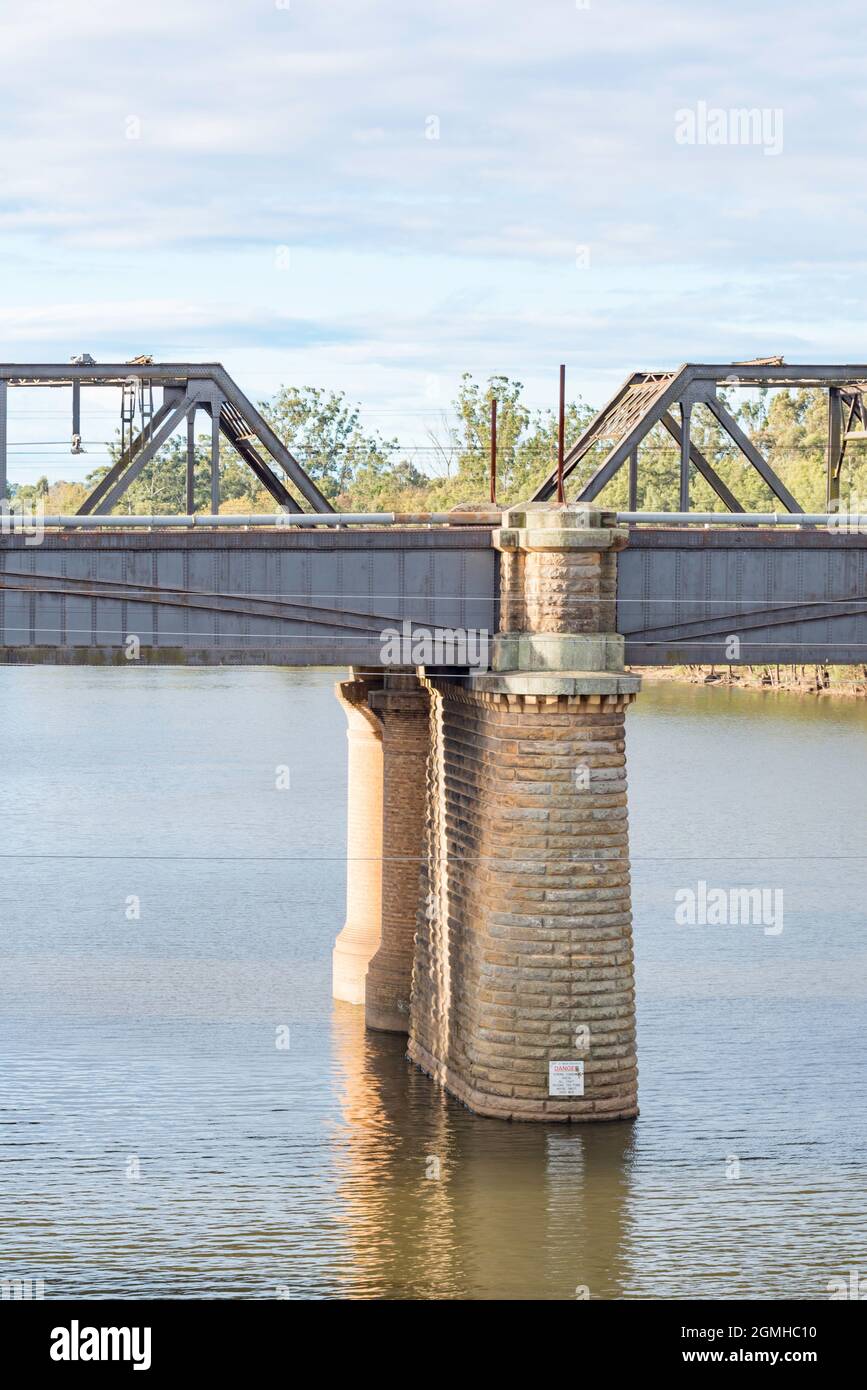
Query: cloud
{"x":433,"y":171}
{"x":549,"y":116}
{"x":122,"y":326}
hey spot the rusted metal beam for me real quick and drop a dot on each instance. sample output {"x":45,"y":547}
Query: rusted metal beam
{"x":561,"y":435}
{"x":493,"y":450}
{"x":585,"y":441}
{"x":749,"y":450}
{"x":91,"y":503}
{"x":707,"y":471}
{"x":836,"y":447}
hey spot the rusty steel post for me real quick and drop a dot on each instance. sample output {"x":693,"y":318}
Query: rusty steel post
{"x":561,"y":433}
{"x":836,"y":446}
{"x":494,"y":450}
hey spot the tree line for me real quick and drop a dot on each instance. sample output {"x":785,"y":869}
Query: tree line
{"x":358,"y":469}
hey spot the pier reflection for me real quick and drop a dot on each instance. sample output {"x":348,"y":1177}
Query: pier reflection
{"x":434,"y":1202}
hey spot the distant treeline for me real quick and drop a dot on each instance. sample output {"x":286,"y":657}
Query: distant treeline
{"x":360,"y":470}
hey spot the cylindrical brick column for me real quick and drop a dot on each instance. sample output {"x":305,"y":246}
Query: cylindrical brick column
{"x":358,"y":942}
{"x":403,"y":708}
{"x":524,"y":947}
{"x":523,"y":999}
{"x":571,"y":591}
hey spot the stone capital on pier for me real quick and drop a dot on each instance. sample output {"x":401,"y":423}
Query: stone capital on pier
{"x":539,"y":526}
{"x":558,"y":599}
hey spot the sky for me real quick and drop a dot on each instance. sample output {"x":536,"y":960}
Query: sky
{"x":378,"y":196}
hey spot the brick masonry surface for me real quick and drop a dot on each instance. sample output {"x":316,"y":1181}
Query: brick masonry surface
{"x":524,"y":935}
{"x":405,"y":721}
{"x":573,"y":591}
{"x":359,"y":939}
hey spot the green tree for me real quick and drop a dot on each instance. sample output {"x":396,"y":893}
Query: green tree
{"x":526,"y":443}
{"x":161,"y":487}
{"x":385,"y":486}
{"x":322,"y":429}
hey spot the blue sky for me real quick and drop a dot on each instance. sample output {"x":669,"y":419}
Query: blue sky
{"x":255,"y":182}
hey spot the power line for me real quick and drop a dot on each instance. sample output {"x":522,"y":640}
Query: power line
{"x":417,"y":859}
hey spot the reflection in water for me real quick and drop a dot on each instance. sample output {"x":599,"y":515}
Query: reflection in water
{"x":442,"y":1204}
{"x":333,"y":1168}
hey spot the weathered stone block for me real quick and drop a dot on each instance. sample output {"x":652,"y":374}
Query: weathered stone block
{"x":489,"y":1009}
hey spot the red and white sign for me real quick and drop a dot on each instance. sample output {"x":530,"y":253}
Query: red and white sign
{"x":565,"y":1078}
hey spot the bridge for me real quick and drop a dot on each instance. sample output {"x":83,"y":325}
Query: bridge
{"x":257,"y":591}
{"x":488,"y":898}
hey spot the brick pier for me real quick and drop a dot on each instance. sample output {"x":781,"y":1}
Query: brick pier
{"x":387,"y":718}
{"x":504,"y":890}
{"x":402,"y":707}
{"x":359,"y":938}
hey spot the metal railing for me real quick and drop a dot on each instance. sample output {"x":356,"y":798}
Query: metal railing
{"x":12,"y":521}
{"x":833,"y":520}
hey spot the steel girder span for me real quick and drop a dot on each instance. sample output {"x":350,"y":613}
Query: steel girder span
{"x":793,"y":597}
{"x":325,"y":597}
{"x":268,"y":596}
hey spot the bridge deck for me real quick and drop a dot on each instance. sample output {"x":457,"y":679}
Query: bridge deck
{"x":291,"y":598}
{"x":789,"y":596}
{"x":324,"y":597}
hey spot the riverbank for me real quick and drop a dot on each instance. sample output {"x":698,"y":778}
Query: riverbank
{"x":848,"y":681}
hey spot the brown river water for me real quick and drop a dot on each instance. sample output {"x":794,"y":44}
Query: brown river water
{"x":166,"y":920}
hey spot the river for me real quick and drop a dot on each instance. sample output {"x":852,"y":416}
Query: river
{"x":185,"y":1112}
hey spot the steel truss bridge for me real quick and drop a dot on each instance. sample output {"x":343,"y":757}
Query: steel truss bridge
{"x":647,"y":399}
{"x":307,"y":586}
{"x":147,"y":423}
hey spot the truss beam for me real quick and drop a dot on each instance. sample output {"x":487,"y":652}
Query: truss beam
{"x":186,"y":387}
{"x":749,"y":450}
{"x":156,"y":438}
{"x":702,"y":466}
{"x":647,"y":399}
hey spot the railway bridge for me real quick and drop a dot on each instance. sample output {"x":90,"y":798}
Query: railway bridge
{"x":489,"y":655}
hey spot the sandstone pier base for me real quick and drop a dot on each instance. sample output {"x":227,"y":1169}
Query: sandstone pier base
{"x":359,"y":940}
{"x":524,"y":941}
{"x":387,"y":718}
{"x":402,"y":707}
{"x":488,"y":897}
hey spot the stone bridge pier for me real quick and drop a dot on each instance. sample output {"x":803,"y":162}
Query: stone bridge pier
{"x":489,"y":906}
{"x":388,"y":717}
